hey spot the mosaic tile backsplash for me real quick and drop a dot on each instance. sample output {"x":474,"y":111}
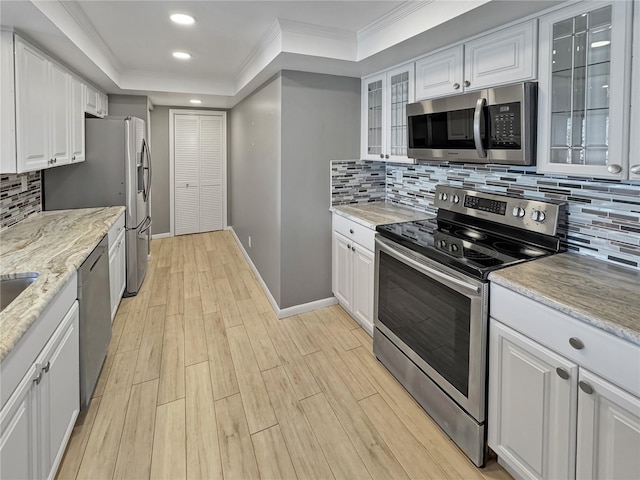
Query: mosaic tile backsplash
{"x":356,"y":181}
{"x":603,"y":216}
{"x":16,"y":205}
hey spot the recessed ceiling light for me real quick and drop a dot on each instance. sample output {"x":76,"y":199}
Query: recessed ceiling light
{"x":194,"y":100}
{"x":601,"y":43}
{"x":182,"y":19}
{"x":182,"y":55}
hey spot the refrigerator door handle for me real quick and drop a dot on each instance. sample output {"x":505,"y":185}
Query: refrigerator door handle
{"x":146,"y":165}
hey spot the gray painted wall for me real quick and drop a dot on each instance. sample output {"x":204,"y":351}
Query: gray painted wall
{"x":160,"y":207}
{"x":254,"y":179}
{"x":282,"y":140}
{"x":320,"y":123}
{"x":132,"y":105}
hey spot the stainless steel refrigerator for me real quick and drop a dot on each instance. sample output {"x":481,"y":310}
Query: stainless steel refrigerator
{"x":116,"y":171}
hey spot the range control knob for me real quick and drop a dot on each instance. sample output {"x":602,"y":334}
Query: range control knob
{"x":442,"y":244}
{"x":455,"y":199}
{"x":538,"y":216}
{"x":518,"y":212}
{"x":443,"y":196}
{"x":454,"y":248}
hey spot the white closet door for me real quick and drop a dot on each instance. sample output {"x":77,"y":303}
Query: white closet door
{"x":187,"y":173}
{"x":199,"y":157}
{"x":210,"y":173}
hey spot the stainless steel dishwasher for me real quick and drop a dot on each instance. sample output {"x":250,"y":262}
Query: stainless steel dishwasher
{"x":95,"y":318}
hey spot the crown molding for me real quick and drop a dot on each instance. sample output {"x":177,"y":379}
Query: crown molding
{"x":270,"y":35}
{"x":74,"y":9}
{"x":394,"y":16}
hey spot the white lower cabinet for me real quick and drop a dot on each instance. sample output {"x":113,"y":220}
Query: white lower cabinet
{"x":353,"y":269}
{"x":549,"y":415}
{"x":608,"y":430}
{"x":531,"y":406}
{"x":117,"y":264}
{"x":37,"y":420}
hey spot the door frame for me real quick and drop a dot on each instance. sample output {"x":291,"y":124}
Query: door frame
{"x":172,"y":114}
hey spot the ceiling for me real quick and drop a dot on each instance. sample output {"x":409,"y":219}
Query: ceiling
{"x":125,"y":46}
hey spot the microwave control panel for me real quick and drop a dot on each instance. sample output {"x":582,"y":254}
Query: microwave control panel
{"x":505,"y":126}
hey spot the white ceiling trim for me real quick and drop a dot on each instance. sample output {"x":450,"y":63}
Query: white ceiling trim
{"x":408,"y":20}
{"x":265,"y":52}
{"x":60,"y":16}
{"x":79,"y":15}
{"x":394,"y":16}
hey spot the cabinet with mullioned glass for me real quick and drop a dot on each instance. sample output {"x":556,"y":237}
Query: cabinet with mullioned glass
{"x":384,"y":117}
{"x":584,"y":83}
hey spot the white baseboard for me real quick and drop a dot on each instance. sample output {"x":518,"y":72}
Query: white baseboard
{"x":285,"y":312}
{"x":156,"y":236}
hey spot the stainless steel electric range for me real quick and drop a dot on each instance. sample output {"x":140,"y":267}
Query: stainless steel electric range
{"x":432,"y":299}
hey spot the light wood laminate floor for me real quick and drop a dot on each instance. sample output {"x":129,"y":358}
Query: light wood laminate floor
{"x":203,"y":381}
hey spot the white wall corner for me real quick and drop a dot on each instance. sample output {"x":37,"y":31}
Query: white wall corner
{"x":408,"y":20}
{"x":71,"y":20}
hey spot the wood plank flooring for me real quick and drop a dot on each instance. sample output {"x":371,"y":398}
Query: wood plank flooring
{"x":203,"y":381}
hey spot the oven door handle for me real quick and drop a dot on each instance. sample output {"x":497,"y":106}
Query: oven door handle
{"x":425,"y":269}
{"x":477,"y":138}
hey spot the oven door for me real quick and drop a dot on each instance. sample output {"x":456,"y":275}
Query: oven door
{"x":437,"y":318}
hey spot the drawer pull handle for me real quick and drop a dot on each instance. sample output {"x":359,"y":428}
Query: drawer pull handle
{"x":351,"y":231}
{"x":576,"y":343}
{"x":562,"y":373}
{"x":38,"y":378}
{"x":46,"y":367}
{"x":585,"y":387}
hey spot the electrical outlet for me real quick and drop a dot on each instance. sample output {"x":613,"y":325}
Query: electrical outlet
{"x":399,"y":176}
{"x":23,"y":183}
{"x":249,"y":241}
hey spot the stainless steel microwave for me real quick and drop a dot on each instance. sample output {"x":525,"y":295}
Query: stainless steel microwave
{"x":496,"y":125}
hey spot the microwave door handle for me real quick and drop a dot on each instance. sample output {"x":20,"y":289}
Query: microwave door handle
{"x":477,"y":138}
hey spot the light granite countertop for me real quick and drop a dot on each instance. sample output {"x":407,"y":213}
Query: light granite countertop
{"x":53,"y":244}
{"x":378,"y":213}
{"x":591,"y":290}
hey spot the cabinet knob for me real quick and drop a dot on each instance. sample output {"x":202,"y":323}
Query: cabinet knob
{"x":351,"y":231}
{"x":562,"y":373}
{"x":456,"y":86}
{"x":348,"y":246}
{"x":576,"y":343}
{"x":585,"y":387}
{"x":73,"y":158}
{"x":46,"y":367}
{"x":635,"y":169}
{"x":38,"y":378}
{"x":381,"y":156}
{"x":387,"y":156}
{"x":353,"y":249}
{"x":614,"y":168}
{"x":467,"y":83}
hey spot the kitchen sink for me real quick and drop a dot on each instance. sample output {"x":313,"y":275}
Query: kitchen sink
{"x":10,"y":288}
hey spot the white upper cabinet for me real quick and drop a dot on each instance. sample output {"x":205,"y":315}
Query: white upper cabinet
{"x":96,"y":103}
{"x":59,"y":115}
{"x":502,"y":57}
{"x":32,"y":121}
{"x":76,"y":124}
{"x":583,"y":91}
{"x":384,"y":116}
{"x":634,"y":141}
{"x":440,"y":74}
{"x":43,"y":121}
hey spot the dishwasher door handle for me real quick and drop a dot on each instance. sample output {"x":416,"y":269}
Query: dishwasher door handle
{"x":96,"y":262}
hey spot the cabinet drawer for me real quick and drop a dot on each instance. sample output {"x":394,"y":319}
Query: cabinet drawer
{"x":354,"y":231}
{"x":115,"y":230}
{"x":611,"y":357}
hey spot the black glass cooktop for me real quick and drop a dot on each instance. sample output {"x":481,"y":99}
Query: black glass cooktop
{"x":469,"y":249}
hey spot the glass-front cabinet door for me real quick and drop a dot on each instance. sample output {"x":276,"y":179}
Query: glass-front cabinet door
{"x":584,"y":90}
{"x":384,"y":114}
